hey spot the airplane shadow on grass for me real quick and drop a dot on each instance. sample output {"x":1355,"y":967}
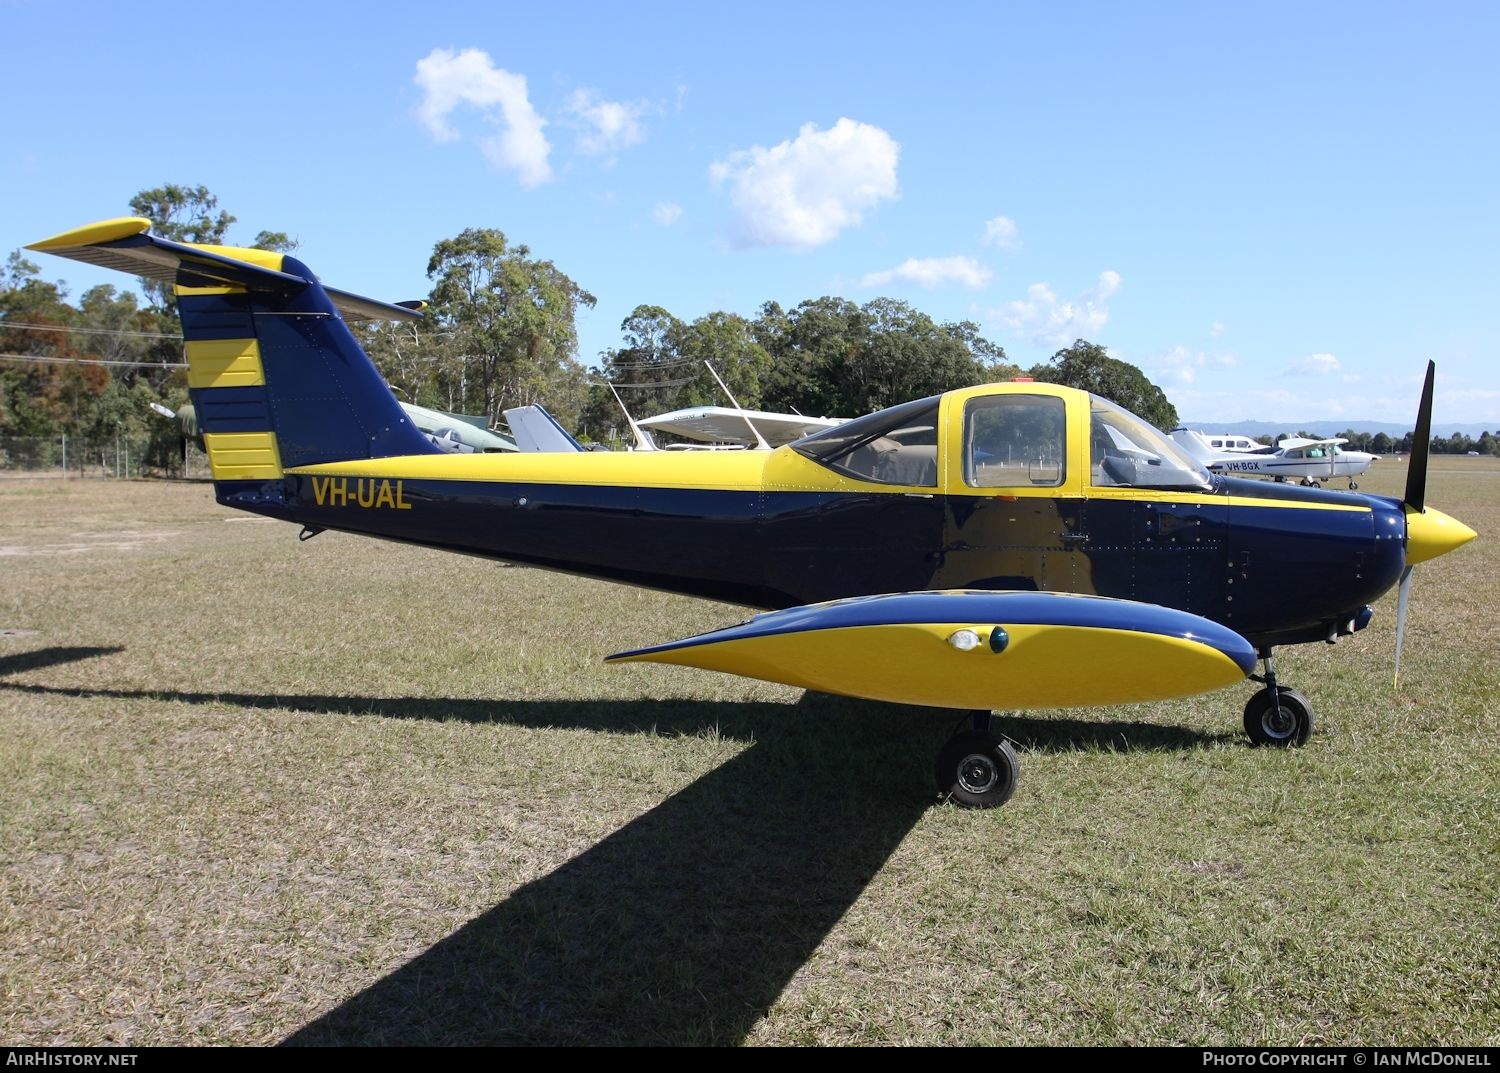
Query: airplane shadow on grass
{"x":687,"y":924}
{"x":38,"y":658}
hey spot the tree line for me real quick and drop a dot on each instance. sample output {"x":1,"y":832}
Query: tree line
{"x":500,"y":331}
{"x":1459,"y":443}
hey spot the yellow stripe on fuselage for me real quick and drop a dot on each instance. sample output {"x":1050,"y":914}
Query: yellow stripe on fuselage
{"x":1247,"y":501}
{"x":782,"y":470}
{"x":1157,"y":495}
{"x":224,"y":363}
{"x":706,"y":470}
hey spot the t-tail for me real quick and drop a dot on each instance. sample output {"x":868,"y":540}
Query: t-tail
{"x":276,"y":377}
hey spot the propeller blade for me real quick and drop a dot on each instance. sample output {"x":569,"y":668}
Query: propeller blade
{"x":1401,"y":599}
{"x":1421,"y":440}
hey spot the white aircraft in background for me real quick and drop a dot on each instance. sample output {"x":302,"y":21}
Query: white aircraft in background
{"x":1236,"y":445}
{"x":537,"y":432}
{"x":1309,"y":462}
{"x":457,"y":433}
{"x":719,"y":428}
{"x":739,"y":428}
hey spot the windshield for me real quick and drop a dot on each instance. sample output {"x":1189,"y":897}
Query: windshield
{"x":1126,"y":451}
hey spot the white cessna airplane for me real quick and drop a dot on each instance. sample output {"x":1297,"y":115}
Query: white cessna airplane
{"x":1309,"y":462}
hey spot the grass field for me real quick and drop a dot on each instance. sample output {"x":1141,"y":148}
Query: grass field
{"x":255,"y":791}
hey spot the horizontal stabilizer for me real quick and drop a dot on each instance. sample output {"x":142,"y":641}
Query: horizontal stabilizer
{"x":125,"y":246}
{"x":976,"y":649}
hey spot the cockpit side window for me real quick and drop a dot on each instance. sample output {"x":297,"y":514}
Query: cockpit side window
{"x":894,"y":446}
{"x":1014,"y":440}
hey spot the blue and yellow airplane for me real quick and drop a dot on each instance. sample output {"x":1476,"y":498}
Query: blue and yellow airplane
{"x":1005,"y":546}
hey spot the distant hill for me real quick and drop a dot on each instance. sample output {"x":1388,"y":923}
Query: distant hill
{"x":1332,"y":427}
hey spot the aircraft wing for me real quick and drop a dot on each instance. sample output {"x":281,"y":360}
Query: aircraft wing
{"x":975,"y":649}
{"x":723,"y":424}
{"x":1293,"y":442}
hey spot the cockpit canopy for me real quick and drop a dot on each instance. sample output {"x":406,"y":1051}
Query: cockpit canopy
{"x":1010,"y":438}
{"x":1124,"y":450}
{"x":897,"y":445}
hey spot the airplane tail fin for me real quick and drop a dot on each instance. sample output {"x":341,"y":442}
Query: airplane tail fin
{"x":1193,"y":443}
{"x":535,"y":430}
{"x":277,"y":379}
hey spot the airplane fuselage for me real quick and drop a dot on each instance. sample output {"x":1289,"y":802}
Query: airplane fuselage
{"x":1277,"y":564}
{"x":1345,"y":464}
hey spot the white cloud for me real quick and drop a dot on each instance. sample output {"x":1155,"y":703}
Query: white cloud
{"x":449,"y":79}
{"x":1043,"y":319}
{"x":1216,"y":329}
{"x":803,"y":192}
{"x":1001,"y":232}
{"x":1181,"y":365}
{"x":608,"y":126}
{"x":933,"y":272}
{"x":1315,"y":365}
{"x":666,"y":213}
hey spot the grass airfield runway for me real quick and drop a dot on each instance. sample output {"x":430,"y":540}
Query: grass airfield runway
{"x":344,"y":791}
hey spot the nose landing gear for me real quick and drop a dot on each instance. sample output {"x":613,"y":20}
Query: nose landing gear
{"x":1277,"y":715}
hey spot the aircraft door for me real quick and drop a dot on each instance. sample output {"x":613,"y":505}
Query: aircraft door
{"x":1014,"y":518}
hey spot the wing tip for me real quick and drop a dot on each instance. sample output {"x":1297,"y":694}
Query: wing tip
{"x":94,"y":234}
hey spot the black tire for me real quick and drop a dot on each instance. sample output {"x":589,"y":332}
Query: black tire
{"x":1353,"y":486}
{"x":1289,"y":724}
{"x":977,"y":770}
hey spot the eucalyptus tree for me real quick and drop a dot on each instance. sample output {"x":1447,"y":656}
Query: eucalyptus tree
{"x":504,"y":323}
{"x":1088,"y":366}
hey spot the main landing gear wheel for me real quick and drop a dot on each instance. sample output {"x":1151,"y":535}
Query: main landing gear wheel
{"x":977,"y":769}
{"x":1284,"y":724}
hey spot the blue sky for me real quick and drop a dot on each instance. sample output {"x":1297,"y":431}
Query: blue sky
{"x":1277,"y":211}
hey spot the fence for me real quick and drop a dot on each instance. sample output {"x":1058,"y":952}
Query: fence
{"x":122,"y":458}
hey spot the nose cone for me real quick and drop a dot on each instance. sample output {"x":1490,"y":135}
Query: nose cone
{"x":1430,"y":533}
